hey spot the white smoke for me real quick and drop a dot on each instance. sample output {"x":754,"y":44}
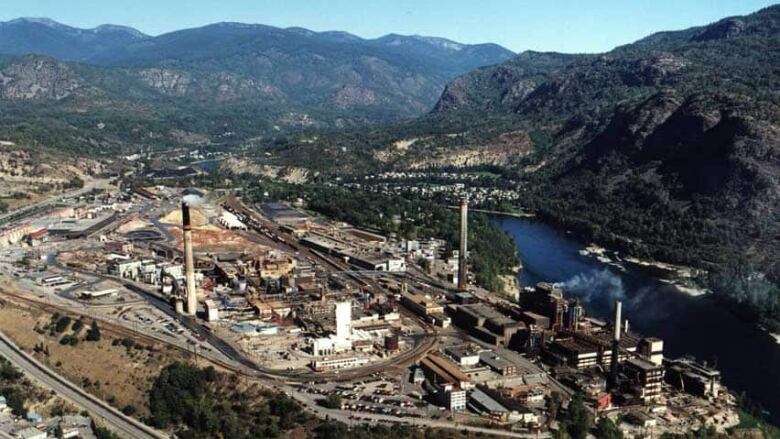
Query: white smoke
{"x":598,"y":286}
{"x":599,"y":289}
{"x":192,"y":200}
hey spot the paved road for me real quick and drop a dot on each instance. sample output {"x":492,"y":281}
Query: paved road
{"x":89,"y":184}
{"x":121,"y":424}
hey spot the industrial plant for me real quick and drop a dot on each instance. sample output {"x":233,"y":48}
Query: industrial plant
{"x":271,"y":290}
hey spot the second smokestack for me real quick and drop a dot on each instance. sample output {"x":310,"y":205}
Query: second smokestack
{"x":189,"y":264}
{"x":464,"y":219}
{"x":613,"y":369}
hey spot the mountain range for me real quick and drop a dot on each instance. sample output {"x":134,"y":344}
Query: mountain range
{"x":272,"y":79}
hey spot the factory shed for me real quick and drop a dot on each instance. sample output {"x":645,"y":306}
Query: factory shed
{"x":482,"y":403}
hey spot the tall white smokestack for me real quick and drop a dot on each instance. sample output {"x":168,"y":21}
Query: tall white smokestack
{"x":343,"y":320}
{"x":613,"y":369}
{"x":464,"y":219}
{"x":189,"y":264}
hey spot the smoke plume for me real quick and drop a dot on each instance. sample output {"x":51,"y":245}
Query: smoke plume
{"x":600,"y":287}
{"x":192,"y":200}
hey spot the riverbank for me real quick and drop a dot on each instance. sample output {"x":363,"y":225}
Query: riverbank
{"x":698,"y":326}
{"x":512,"y":283}
{"x":682,"y":278}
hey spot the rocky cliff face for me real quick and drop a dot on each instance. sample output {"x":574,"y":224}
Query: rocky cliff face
{"x":505,"y":150}
{"x":35,"y":78}
{"x":167,"y":81}
{"x":218,"y":87}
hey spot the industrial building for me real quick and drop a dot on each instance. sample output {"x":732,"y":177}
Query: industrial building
{"x":689,"y":376}
{"x":73,"y":228}
{"x":360,"y":258}
{"x":91,"y":295}
{"x":480,"y":402}
{"x":487,"y":324}
{"x":537,"y":320}
{"x":588,"y":350}
{"x":283,"y":215}
{"x":230,"y":221}
{"x":652,"y":349}
{"x":466,"y":356}
{"x":500,"y":365}
{"x":212,"y":310}
{"x":647,"y":377}
{"x":443,"y":371}
{"x":547,"y":300}
{"x":421,"y":304}
{"x":341,"y":341}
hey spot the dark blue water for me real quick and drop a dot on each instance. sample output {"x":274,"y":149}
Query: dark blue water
{"x":208,"y":165}
{"x":748,"y":359}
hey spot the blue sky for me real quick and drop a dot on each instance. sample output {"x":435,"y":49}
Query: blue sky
{"x":556,"y":25}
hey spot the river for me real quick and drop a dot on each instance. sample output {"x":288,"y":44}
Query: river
{"x":749,"y":359}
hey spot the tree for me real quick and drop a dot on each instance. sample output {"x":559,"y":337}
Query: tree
{"x":553,"y":404}
{"x":578,"y":421}
{"x":77,"y":325}
{"x":62,"y":324}
{"x":102,"y":432}
{"x":15,"y":400}
{"x":9,"y":373}
{"x":332,"y":430}
{"x":606,"y":429}
{"x":94,"y":332}
{"x":286,"y":409}
{"x":332,"y":401}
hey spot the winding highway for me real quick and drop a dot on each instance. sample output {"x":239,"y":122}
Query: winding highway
{"x":89,"y":185}
{"x":123,"y":425}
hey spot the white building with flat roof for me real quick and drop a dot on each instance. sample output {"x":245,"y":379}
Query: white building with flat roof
{"x":88,"y":295}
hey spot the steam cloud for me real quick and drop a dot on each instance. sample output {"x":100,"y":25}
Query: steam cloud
{"x":598,"y":287}
{"x":192,"y":200}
